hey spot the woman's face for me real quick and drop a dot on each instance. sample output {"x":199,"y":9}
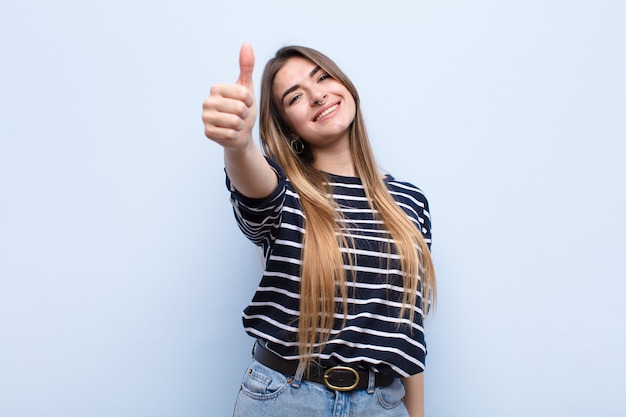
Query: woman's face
{"x":318,"y":108}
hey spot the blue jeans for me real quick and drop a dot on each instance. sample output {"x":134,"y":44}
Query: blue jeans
{"x":267,"y":393}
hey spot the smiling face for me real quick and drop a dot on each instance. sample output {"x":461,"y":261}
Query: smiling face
{"x":318,"y":108}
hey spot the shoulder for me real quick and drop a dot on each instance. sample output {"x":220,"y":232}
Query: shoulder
{"x":413,"y":201}
{"x":404,"y":191}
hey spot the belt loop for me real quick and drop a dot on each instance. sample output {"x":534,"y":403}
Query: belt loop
{"x":371,"y":382}
{"x":297,"y":379}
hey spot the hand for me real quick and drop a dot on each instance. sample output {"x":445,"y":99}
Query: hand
{"x":230,"y":111}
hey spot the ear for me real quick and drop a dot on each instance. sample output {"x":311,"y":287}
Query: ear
{"x":296,"y":144}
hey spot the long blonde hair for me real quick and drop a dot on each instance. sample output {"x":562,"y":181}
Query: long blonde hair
{"x":322,"y":270}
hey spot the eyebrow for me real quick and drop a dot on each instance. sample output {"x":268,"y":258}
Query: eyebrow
{"x":295,"y":87}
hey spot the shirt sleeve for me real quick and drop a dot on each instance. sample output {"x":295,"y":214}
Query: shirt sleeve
{"x":414,"y":202}
{"x":426,"y":224}
{"x":259,"y":218}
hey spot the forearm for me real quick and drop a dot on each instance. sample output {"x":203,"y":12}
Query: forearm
{"x":249,"y":171}
{"x":414,"y":395}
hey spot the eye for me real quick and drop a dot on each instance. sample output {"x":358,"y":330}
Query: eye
{"x":324,"y":76}
{"x":294,"y":99}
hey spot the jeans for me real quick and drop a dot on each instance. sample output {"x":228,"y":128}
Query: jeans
{"x":267,"y":393}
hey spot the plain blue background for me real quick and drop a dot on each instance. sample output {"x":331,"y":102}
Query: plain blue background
{"x":123,"y":274}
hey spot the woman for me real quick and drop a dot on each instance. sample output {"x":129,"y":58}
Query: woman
{"x":338,"y":314}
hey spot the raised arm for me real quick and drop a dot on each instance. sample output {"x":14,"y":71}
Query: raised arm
{"x":229,"y":114}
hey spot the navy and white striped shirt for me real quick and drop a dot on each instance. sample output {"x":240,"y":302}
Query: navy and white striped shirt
{"x":371,"y":337}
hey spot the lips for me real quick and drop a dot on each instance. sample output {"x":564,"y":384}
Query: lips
{"x":325,"y":112}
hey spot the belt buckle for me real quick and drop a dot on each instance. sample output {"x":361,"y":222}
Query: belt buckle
{"x":354,"y":372}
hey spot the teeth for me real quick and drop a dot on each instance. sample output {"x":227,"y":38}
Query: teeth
{"x":326,"y":112}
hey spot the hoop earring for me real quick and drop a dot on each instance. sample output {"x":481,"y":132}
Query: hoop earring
{"x":297,"y":146}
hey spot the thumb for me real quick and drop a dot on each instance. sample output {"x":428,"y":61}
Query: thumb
{"x":246,"y":65}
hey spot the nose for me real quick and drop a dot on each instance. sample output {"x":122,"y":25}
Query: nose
{"x":319,"y":99}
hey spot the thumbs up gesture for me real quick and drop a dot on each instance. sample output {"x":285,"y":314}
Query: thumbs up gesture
{"x":230,"y":111}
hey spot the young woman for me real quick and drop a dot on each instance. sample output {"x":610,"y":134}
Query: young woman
{"x":338,"y":314}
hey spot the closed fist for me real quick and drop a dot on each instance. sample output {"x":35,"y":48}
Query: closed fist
{"x":229,"y":113}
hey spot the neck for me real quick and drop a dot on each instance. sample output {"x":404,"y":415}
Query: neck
{"x":336,"y":161}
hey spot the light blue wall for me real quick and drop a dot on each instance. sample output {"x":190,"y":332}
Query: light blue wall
{"x":122,"y":273}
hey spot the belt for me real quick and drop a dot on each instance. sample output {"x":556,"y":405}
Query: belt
{"x":337,"y":378}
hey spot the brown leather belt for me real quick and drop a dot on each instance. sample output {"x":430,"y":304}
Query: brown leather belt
{"x":337,"y":378}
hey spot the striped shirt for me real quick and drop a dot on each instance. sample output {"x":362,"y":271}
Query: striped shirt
{"x":373,"y":336}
